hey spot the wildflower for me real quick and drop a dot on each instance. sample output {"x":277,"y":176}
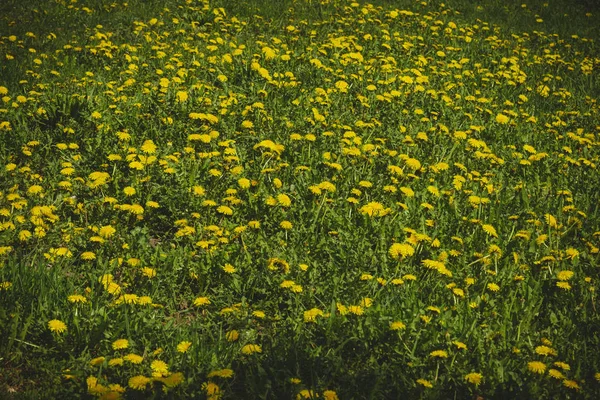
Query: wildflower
{"x":493,"y":287}
{"x":374,"y":209}
{"x":232,"y":335}
{"x":502,"y":119}
{"x":545,"y":351}
{"x":439,"y":354}
{"x":356,"y":310}
{"x":106,"y":231}
{"x":97,"y":361}
{"x":460,"y":345}
{"x":225,"y":210}
{"x":57,"y":326}
{"x":306,"y":394}
{"x":571,"y":384}
{"x":251,"y":349}
{"x":159,"y":367}
{"x":565,"y":275}
{"x":77,"y":298}
{"x":244,"y":183}
{"x":474,"y":378}
{"x":284,"y":200}
{"x":330,"y":395}
{"x":148,"y":147}
{"x":490,"y":230}
{"x":556,"y":374}
{"x":536,"y":367}
{"x":88,"y":255}
{"x":398,"y":250}
{"x":222,"y":373}
{"x":181,"y":96}
{"x":184,"y":346}
{"x":149,"y":272}
{"x":424,"y":383}
{"x":129,"y":191}
{"x":133,"y":358}
{"x":120,"y":344}
{"x":397,"y":325}
{"x":35,"y":189}
{"x":228,"y":268}
{"x":563,"y":365}
{"x":287,"y":225}
{"x":563,"y":285}
{"x":139,"y":382}
{"x":116,"y":362}
{"x":213,"y":391}
{"x":312,"y":314}
{"x":201,"y":301}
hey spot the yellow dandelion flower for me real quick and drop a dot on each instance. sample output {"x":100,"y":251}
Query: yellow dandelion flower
{"x":563,"y":365}
{"x":139,"y":382}
{"x":565,"y":275}
{"x":201,"y":301}
{"x":181,"y":96}
{"x":88,"y":255}
{"x":330,"y":395}
{"x":284,"y":200}
{"x":97,"y":361}
{"x":556,"y":374}
{"x":536,"y":367}
{"x":251,"y":349}
{"x":493,"y":287}
{"x":545,"y":351}
{"x":397,"y":326}
{"x":106,"y":231}
{"x":212,"y":390}
{"x":502,"y":119}
{"x":244,"y":183}
{"x":77,"y":298}
{"x":460,"y":345}
{"x":232,"y":335}
{"x":225,"y":210}
{"x":563,"y":285}
{"x":160,"y":367}
{"x":184,"y":346}
{"x":134,"y":358}
{"x":57,"y":326}
{"x":425,"y":383}
{"x":120,"y":344}
{"x":474,"y":378}
{"x":116,"y":362}
{"x":228,"y":268}
{"x":287,"y":225}
{"x":148,"y":147}
{"x":490,"y":230}
{"x":398,"y":250}
{"x":439,"y":354}
{"x":571,"y":384}
{"x":221,"y":373}
{"x":356,"y":310}
{"x":312,"y":314}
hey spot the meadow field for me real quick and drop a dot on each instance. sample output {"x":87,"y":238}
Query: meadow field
{"x":299,"y":199}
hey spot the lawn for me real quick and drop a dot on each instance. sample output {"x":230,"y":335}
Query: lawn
{"x":299,"y":199}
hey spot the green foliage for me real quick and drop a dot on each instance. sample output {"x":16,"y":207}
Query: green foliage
{"x":299,"y":199}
